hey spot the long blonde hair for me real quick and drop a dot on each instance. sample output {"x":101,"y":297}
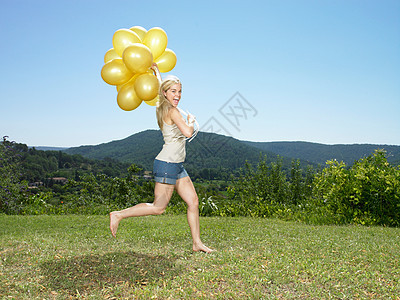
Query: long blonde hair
{"x":164,"y":105}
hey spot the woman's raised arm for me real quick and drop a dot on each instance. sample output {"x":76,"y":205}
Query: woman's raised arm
{"x":156,"y":72}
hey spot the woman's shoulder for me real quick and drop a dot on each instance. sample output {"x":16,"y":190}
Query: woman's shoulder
{"x":173,"y":114}
{"x":168,"y":118}
{"x":173,"y":111}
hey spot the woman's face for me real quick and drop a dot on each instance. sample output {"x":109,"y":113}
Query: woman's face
{"x":173,"y":94}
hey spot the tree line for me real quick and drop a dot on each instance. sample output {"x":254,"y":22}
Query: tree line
{"x":367,"y":193}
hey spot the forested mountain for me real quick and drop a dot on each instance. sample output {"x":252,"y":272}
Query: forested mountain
{"x":213,"y":151}
{"x":320,"y":153}
{"x":208,"y":152}
{"x":139,"y":148}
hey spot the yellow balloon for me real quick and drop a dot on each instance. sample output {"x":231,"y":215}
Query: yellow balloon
{"x":156,"y":39}
{"x":146,"y":86}
{"x":167,"y":61}
{"x":127,"y":98}
{"x":110,"y":55}
{"x":115,"y":72}
{"x":130,"y":81}
{"x":140,"y":31}
{"x":137,"y":58}
{"x":123,"y":38}
{"x":152,"y":102}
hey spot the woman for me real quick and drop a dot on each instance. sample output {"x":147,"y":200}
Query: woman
{"x":169,"y":173}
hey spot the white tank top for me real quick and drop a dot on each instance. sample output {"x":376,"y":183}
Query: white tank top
{"x":174,"y":149}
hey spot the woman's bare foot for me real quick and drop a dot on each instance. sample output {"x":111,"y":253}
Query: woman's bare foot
{"x":202,"y":248}
{"x":114,"y":222}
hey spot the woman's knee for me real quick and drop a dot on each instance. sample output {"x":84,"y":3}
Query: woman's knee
{"x":193,"y":203}
{"x":159,"y":210}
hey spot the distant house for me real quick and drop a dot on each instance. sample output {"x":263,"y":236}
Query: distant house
{"x":34,"y":185}
{"x":59,"y":180}
{"x":147,"y":175}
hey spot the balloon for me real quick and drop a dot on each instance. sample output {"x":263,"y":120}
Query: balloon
{"x":146,"y":86}
{"x":128,"y":65}
{"x":137,"y":58}
{"x":140,"y":31}
{"x":123,"y":38}
{"x":153,"y":102}
{"x":130,"y":81}
{"x":156,"y":39}
{"x":110,"y":55}
{"x":127,"y":98}
{"x":115,"y":72}
{"x":167,"y":61}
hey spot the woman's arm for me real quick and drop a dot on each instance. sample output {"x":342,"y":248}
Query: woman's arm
{"x":176,"y":117}
{"x":156,"y":72}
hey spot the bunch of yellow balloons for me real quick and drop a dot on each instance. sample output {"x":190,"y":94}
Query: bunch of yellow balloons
{"x":127,"y":65}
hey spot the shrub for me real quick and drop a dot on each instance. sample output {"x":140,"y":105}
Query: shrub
{"x":265,"y":190}
{"x":375,"y":191}
{"x":12,"y":189}
{"x":368,"y":193}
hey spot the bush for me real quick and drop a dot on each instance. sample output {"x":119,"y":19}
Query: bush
{"x":265,"y":190}
{"x":12,"y":189}
{"x":368,"y":193}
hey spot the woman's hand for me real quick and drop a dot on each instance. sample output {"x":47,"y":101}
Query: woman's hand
{"x":191,"y":119}
{"x":154,"y":67}
{"x":156,"y":72}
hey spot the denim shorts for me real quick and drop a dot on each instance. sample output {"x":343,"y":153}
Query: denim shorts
{"x":168,"y":172}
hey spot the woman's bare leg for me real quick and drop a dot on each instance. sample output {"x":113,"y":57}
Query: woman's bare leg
{"x":186,"y":190}
{"x":162,"y":195}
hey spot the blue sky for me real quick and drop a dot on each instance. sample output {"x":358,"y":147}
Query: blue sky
{"x":317,"y":71}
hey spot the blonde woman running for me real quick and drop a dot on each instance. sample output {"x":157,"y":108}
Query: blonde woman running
{"x":169,"y":173}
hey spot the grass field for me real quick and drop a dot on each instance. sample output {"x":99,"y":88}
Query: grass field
{"x":75,"y":257}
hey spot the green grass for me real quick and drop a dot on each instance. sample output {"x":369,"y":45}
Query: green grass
{"x":63,"y":257}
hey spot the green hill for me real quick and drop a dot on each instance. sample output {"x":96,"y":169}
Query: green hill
{"x":226,"y":155}
{"x":320,"y":153}
{"x":139,"y":148}
{"x":210,"y":151}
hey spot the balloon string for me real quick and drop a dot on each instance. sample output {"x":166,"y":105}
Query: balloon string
{"x":197,"y":125}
